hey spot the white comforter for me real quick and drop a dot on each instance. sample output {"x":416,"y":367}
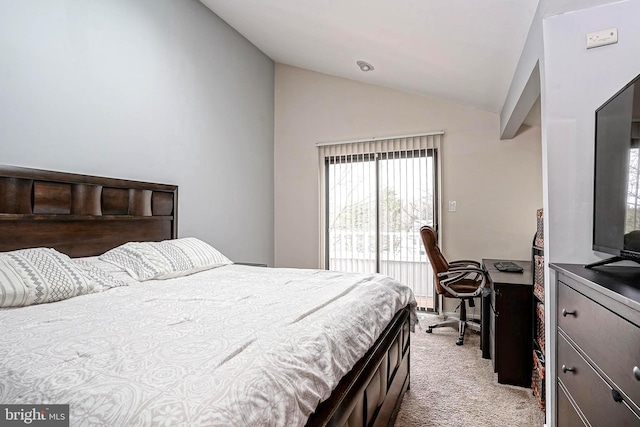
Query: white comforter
{"x":233,"y":346}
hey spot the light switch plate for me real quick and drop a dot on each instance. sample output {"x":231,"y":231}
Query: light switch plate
{"x":602,"y":38}
{"x":452,"y":206}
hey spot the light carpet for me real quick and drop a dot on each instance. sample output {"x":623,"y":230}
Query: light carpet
{"x":454,"y":386}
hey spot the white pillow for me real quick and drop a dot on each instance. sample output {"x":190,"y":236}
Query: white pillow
{"x":46,"y":274}
{"x":112,"y":270}
{"x":132,"y":259}
{"x":166,"y":259}
{"x":102,"y":279}
{"x":13,"y":291}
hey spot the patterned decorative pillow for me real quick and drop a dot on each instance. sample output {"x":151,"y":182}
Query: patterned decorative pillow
{"x":47,"y":274}
{"x":13,"y":291}
{"x":166,"y":259}
{"x":102,"y":279}
{"x":181,"y":257}
{"x":130,"y":258}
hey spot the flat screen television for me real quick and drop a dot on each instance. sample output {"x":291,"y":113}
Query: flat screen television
{"x":616,"y":200}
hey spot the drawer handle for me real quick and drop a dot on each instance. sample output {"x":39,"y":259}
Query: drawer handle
{"x":565,"y":369}
{"x":566,"y":313}
{"x":616,"y":395}
{"x":636,"y":373}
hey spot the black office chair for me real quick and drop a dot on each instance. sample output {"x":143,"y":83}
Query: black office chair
{"x":462,"y":279}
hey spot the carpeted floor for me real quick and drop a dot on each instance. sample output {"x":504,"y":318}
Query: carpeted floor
{"x":455,"y":386}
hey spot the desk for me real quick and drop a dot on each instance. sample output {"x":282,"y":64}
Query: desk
{"x":507,"y":321}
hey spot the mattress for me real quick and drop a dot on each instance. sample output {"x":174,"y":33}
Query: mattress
{"x":232,"y":346}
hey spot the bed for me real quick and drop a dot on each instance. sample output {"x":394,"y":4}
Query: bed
{"x":224,"y":346}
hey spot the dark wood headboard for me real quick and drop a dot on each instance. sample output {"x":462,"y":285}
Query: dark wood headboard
{"x":82,"y":215}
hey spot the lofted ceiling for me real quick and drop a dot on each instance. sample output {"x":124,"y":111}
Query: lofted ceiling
{"x":460,"y":50}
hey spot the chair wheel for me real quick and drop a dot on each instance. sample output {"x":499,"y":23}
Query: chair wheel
{"x":460,"y":341}
{"x":429,"y":330}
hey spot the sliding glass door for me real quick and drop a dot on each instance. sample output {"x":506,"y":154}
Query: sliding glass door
{"x":375,"y":205}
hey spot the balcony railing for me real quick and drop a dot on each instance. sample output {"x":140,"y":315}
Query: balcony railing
{"x":402,"y":257}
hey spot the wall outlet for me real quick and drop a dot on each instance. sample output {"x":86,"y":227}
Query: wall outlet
{"x":452,"y":206}
{"x":602,"y":38}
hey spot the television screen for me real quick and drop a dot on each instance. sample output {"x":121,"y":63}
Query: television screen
{"x":616,"y":219}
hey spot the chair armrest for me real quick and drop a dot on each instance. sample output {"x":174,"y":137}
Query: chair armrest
{"x":454,"y":275}
{"x":465,"y":262}
{"x":468,"y":270}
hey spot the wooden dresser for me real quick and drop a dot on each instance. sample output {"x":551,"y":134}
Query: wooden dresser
{"x":598,"y":346}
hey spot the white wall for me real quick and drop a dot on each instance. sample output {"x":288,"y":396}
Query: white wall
{"x":525,"y":85}
{"x":497,"y":184}
{"x":574,"y":82}
{"x":577,"y":81}
{"x":153,"y":90}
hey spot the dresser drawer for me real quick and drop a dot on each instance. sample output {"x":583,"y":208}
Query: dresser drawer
{"x":589,"y":391}
{"x":567,"y":414}
{"x":611,"y":342}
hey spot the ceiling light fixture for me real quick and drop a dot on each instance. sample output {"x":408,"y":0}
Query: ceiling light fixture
{"x":364,"y":66}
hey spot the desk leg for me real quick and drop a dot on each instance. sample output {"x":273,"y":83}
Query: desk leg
{"x":485,"y":324}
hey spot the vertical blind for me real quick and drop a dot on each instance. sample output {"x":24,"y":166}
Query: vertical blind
{"x":375,"y":195}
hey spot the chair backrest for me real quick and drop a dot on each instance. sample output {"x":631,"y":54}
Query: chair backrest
{"x":439,"y":263}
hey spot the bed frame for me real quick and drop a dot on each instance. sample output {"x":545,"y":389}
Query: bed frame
{"x":83,"y":215}
{"x":371,"y":393}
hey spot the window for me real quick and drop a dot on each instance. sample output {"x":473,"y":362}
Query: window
{"x":377,"y":194}
{"x":632,"y":217}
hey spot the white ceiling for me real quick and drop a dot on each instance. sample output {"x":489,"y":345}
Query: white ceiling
{"x":461,"y":50}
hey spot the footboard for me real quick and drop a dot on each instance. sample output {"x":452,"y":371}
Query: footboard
{"x":371,"y":393}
